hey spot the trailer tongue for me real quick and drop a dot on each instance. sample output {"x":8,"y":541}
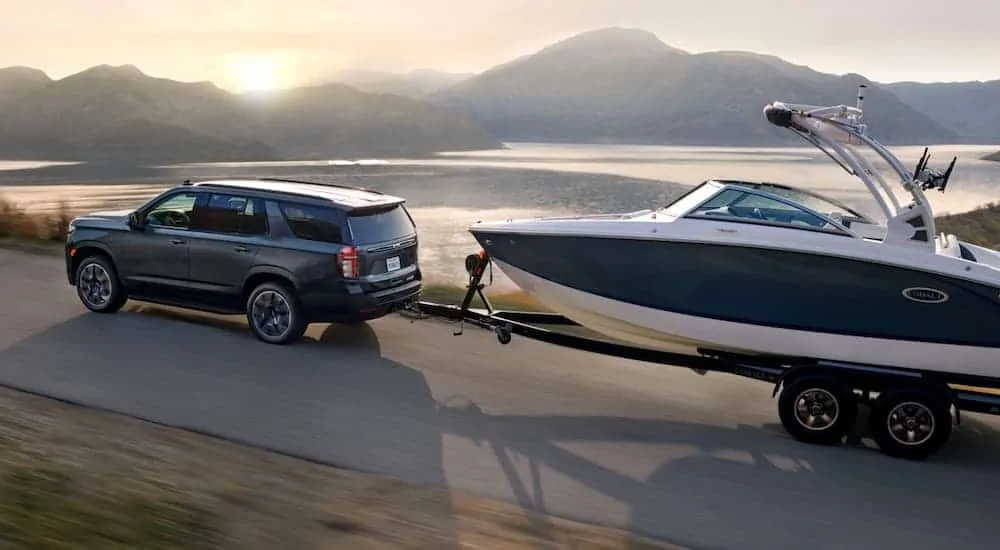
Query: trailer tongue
{"x":912,"y":412}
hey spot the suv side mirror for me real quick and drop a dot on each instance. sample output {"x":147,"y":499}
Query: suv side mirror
{"x":133,"y":221}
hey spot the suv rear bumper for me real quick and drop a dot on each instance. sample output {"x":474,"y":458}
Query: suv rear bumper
{"x":360,"y":307}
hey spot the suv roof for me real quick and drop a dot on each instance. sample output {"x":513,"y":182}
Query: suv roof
{"x":343,"y":195}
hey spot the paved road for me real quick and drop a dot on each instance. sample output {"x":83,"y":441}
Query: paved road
{"x":699,"y":461}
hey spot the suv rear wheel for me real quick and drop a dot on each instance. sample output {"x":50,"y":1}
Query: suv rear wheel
{"x":98,"y":286}
{"x":274,"y":314}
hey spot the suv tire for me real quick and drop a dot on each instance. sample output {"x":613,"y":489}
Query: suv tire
{"x":274,"y":314}
{"x":98,"y":286}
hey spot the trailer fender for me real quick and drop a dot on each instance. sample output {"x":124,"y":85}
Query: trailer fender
{"x":790,"y":374}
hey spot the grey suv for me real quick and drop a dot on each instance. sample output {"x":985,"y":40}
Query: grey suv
{"x":284,"y":253}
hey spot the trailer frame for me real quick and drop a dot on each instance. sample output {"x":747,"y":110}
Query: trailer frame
{"x":935,"y":395}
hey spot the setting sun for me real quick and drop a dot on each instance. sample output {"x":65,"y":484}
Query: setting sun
{"x":257,"y":74}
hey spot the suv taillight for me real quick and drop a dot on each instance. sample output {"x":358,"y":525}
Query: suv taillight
{"x":348,"y":261}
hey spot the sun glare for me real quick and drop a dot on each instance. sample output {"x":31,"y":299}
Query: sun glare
{"x":257,"y":74}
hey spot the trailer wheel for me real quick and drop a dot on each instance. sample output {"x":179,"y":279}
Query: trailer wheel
{"x":911,"y":423}
{"x":817,"y":409}
{"x":503,"y":334}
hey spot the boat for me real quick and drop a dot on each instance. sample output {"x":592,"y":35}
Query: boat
{"x":768,"y":269}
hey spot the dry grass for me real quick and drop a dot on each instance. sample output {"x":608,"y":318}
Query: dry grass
{"x":76,"y":478}
{"x":18,"y":223}
{"x":980,"y":226}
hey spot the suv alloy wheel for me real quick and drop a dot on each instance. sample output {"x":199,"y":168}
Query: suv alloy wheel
{"x":98,"y":286}
{"x":274,"y":314}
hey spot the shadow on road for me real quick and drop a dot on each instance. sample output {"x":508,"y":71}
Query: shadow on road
{"x":335,"y":396}
{"x":330,"y":398}
{"x":742,"y":482}
{"x":358,"y":337}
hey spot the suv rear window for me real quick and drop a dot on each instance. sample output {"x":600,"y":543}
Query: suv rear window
{"x":381,"y":225}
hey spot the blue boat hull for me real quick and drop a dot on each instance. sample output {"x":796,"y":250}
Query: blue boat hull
{"x":765,"y":287}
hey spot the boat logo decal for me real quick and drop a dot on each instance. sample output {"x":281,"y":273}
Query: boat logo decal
{"x":925,"y":295}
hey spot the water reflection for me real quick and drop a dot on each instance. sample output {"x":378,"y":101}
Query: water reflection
{"x":974,"y":182}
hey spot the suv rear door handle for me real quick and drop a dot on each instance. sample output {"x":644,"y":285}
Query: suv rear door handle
{"x":241,"y":249}
{"x":176,"y":241}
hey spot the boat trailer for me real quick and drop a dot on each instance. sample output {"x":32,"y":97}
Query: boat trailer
{"x":912,"y":413}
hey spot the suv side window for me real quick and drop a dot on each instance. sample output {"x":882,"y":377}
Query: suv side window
{"x":314,"y":223}
{"x":173,"y":212}
{"x":233,"y":214}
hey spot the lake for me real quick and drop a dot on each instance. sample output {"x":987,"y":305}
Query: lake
{"x":450,"y":191}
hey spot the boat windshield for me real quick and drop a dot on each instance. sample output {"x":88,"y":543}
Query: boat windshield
{"x":746,"y":205}
{"x":813,"y":201}
{"x":684,"y":203}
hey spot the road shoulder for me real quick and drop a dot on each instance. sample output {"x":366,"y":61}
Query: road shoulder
{"x":93,"y":477}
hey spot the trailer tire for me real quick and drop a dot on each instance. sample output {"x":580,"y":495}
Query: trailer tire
{"x":911,"y":423}
{"x":817,"y":409}
{"x":504,"y":335}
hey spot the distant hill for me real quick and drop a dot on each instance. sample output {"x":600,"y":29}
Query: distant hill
{"x":120,"y":114}
{"x":108,"y":113}
{"x":993,"y":156}
{"x":336,"y":119}
{"x":970,"y":108}
{"x":18,"y":81}
{"x":416,"y":84}
{"x":622,"y":85}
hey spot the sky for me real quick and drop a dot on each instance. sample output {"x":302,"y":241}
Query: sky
{"x":266,"y":43}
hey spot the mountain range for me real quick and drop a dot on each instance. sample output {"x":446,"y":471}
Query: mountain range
{"x":120,"y":114}
{"x":611,"y":85}
{"x":417,"y":83}
{"x":627,"y":86}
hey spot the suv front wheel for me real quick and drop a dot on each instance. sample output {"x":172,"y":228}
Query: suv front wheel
{"x":98,"y":286}
{"x":274,"y":314}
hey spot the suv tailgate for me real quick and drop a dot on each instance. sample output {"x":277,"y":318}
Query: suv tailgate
{"x":386,"y":240}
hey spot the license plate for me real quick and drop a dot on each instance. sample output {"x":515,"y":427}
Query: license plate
{"x":392,"y":264}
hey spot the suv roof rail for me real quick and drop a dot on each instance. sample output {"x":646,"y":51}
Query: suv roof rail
{"x":226,"y":185}
{"x":325,"y":184}
{"x":233,"y":183}
{"x":288,"y":180}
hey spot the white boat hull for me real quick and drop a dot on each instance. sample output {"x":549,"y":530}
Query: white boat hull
{"x":663,"y":330}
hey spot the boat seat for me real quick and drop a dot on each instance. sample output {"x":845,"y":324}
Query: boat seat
{"x":720,"y":211}
{"x":946,"y":246}
{"x":949,"y":245}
